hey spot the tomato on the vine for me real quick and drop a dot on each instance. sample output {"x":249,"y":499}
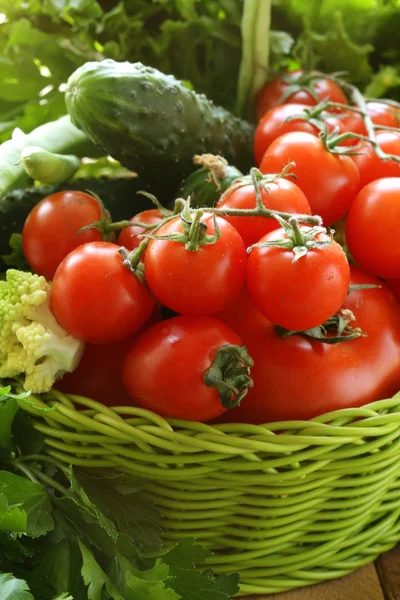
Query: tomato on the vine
{"x":329,"y":181}
{"x":164,"y":370}
{"x":282,"y":195}
{"x":373,"y":225}
{"x":51,"y":229}
{"x":199,"y":282}
{"x":298,"y":293}
{"x":297,"y":377}
{"x":274,"y":124}
{"x":96,"y":298}
{"x":383,"y":114}
{"x":271,"y":94}
{"x":129,"y":235}
{"x":370,"y":166}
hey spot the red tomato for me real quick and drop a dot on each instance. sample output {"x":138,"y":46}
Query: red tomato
{"x":51,"y":229}
{"x":300,"y":378}
{"x":301,"y":294}
{"x":373,"y":225}
{"x":96,"y":298}
{"x":129,"y":236}
{"x":272,"y":93}
{"x":329,"y":181}
{"x":283,"y":195}
{"x":347,"y":121}
{"x":383,"y":114}
{"x":165,"y":367}
{"x":98,"y":375}
{"x":394,"y":285}
{"x":200,"y":282}
{"x":273,"y":125}
{"x":370,"y":166}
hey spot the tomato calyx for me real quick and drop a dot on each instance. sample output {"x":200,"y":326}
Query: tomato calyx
{"x":300,"y":241}
{"x":194,"y":230}
{"x":335,"y":330}
{"x":230,"y":374}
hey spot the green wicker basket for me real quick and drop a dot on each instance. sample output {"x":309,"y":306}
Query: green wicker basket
{"x":287,"y":504}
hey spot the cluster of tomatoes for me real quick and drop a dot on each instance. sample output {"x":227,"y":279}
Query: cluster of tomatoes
{"x":231,"y":277}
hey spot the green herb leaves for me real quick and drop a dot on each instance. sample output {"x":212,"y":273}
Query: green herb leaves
{"x":74,"y":534}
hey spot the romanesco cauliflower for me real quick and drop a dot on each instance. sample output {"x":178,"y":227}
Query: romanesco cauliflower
{"x":32,"y":343}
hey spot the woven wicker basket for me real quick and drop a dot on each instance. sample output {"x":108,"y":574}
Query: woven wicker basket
{"x":287,"y":505}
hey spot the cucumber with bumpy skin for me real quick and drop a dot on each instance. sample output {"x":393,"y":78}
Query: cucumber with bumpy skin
{"x":151,"y":122}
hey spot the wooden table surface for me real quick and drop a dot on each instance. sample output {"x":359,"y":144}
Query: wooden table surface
{"x":378,"y":581}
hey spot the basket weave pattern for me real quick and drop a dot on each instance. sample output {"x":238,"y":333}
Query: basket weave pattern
{"x":287,"y":504}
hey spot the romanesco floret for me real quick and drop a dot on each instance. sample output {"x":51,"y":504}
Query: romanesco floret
{"x":32,"y":343}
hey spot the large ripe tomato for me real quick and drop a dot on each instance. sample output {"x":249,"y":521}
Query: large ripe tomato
{"x":96,"y":298}
{"x":329,"y":181}
{"x":373,"y":225}
{"x":197,"y":282}
{"x":283,"y":195}
{"x":383,"y":114}
{"x":51,"y":229}
{"x":165,"y":367}
{"x":299,"y":378}
{"x":271,"y":94}
{"x":370,"y":166}
{"x":129,"y":236}
{"x":298,"y":294}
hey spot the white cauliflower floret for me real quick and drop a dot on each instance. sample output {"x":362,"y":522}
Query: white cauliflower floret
{"x":32,"y":343}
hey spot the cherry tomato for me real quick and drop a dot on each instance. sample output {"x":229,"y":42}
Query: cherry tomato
{"x":347,"y":121}
{"x":299,"y":378}
{"x":165,"y":367}
{"x":298,"y":294}
{"x":273,"y":124}
{"x":383,"y":114}
{"x":272,"y":93}
{"x":282,"y":195}
{"x":129,"y":236}
{"x":51,"y":229}
{"x":370,"y":166}
{"x":329,"y":181}
{"x":196,"y":282}
{"x":373,"y":225}
{"x":98,"y":375}
{"x":96,"y":298}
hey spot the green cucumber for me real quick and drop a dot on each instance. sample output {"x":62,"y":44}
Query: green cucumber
{"x":205,"y":185}
{"x":57,"y":136}
{"x":151,"y":122}
{"x":48,"y":167}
